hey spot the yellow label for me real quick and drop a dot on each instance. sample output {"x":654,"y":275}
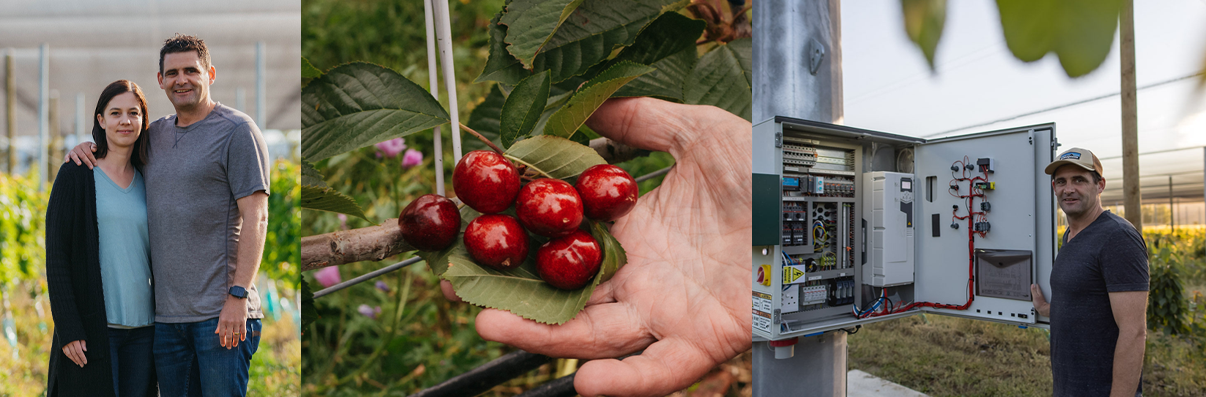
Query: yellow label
{"x":791,"y":274}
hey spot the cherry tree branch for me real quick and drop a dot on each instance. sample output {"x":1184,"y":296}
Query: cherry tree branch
{"x":373,"y":243}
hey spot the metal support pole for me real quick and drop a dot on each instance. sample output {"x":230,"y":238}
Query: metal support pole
{"x":10,"y":106}
{"x":433,"y":84}
{"x":443,"y":31}
{"x":1130,"y":118}
{"x":81,"y":118}
{"x":1172,"y":214}
{"x":43,"y":109}
{"x":799,"y":74}
{"x":54,"y":148}
{"x":241,"y":99}
{"x":260,"y":90}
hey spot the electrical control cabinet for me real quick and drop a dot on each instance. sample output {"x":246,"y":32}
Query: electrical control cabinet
{"x":852,"y":226}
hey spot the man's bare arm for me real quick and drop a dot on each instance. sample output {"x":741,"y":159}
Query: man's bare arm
{"x":1130,"y":313}
{"x":232,"y":323}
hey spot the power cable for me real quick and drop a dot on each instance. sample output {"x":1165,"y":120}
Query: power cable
{"x":1063,"y":106}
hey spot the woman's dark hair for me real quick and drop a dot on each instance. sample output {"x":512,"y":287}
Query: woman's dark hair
{"x":138,"y":156}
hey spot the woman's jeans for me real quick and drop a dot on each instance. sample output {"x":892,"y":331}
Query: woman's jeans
{"x":130,"y":350}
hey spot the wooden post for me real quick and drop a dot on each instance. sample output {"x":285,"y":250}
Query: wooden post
{"x":1172,"y":212}
{"x":1130,"y":118}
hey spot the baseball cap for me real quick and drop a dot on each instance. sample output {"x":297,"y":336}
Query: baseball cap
{"x":1080,"y":157}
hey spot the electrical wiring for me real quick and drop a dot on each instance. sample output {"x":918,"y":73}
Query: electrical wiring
{"x":973,"y":217}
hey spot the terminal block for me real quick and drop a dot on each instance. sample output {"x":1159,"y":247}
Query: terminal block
{"x":980,"y":226}
{"x":985,"y":206}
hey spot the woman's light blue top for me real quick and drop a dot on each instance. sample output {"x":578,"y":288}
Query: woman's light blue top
{"x":121,"y":217}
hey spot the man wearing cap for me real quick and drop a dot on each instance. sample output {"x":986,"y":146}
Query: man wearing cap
{"x":1099,"y":285}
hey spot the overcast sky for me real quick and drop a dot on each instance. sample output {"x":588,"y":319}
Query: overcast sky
{"x":888,"y":86}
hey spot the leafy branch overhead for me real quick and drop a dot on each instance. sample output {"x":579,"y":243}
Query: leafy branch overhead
{"x":1079,"y":32}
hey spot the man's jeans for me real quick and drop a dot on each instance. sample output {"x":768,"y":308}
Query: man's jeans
{"x":191,"y":362}
{"x":133,"y":364}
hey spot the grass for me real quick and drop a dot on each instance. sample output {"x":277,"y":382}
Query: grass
{"x":947,"y":356}
{"x":275,"y":367}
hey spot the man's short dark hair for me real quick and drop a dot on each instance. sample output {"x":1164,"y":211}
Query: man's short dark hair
{"x":184,"y":43}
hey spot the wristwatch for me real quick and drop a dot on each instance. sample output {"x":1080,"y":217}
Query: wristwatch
{"x":238,"y":292}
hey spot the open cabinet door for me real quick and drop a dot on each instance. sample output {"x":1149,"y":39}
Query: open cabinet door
{"x":1017,"y":244}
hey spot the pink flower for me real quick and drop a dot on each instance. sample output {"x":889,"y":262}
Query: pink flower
{"x":412,"y":158}
{"x":328,"y":276}
{"x":370,"y":312}
{"x":343,"y":221}
{"x":391,"y":148}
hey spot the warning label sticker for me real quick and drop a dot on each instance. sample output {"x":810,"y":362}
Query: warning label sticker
{"x":762,"y":324}
{"x":762,"y":312}
{"x":762,"y":302}
{"x":791,"y":274}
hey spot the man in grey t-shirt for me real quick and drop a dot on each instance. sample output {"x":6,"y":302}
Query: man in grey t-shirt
{"x":1099,"y":285}
{"x":207,"y":184}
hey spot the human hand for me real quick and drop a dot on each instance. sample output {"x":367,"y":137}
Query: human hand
{"x":82,"y":154}
{"x":684,"y":296}
{"x":232,"y":322}
{"x":75,"y":351}
{"x":1040,"y":304}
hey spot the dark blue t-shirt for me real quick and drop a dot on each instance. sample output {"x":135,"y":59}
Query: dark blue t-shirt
{"x":1107,"y":256}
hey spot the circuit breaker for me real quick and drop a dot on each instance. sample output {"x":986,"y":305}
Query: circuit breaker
{"x":852,"y":226}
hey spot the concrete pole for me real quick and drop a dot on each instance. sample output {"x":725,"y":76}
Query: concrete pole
{"x":10,"y":106}
{"x":1130,"y":118}
{"x":54,"y":148}
{"x":786,"y":83}
{"x":43,"y":116}
{"x":260,"y":91}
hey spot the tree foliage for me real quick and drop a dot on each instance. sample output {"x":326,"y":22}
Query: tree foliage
{"x":1078,"y":32}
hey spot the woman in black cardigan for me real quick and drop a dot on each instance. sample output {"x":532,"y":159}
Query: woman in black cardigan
{"x":97,"y":263}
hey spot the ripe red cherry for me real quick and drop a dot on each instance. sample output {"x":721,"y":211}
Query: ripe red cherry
{"x":485,"y":181}
{"x":430,"y":222}
{"x":496,"y":241}
{"x":607,"y":192}
{"x":549,"y":207}
{"x":569,"y":262}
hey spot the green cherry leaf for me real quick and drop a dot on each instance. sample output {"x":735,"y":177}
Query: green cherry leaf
{"x":523,"y":107}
